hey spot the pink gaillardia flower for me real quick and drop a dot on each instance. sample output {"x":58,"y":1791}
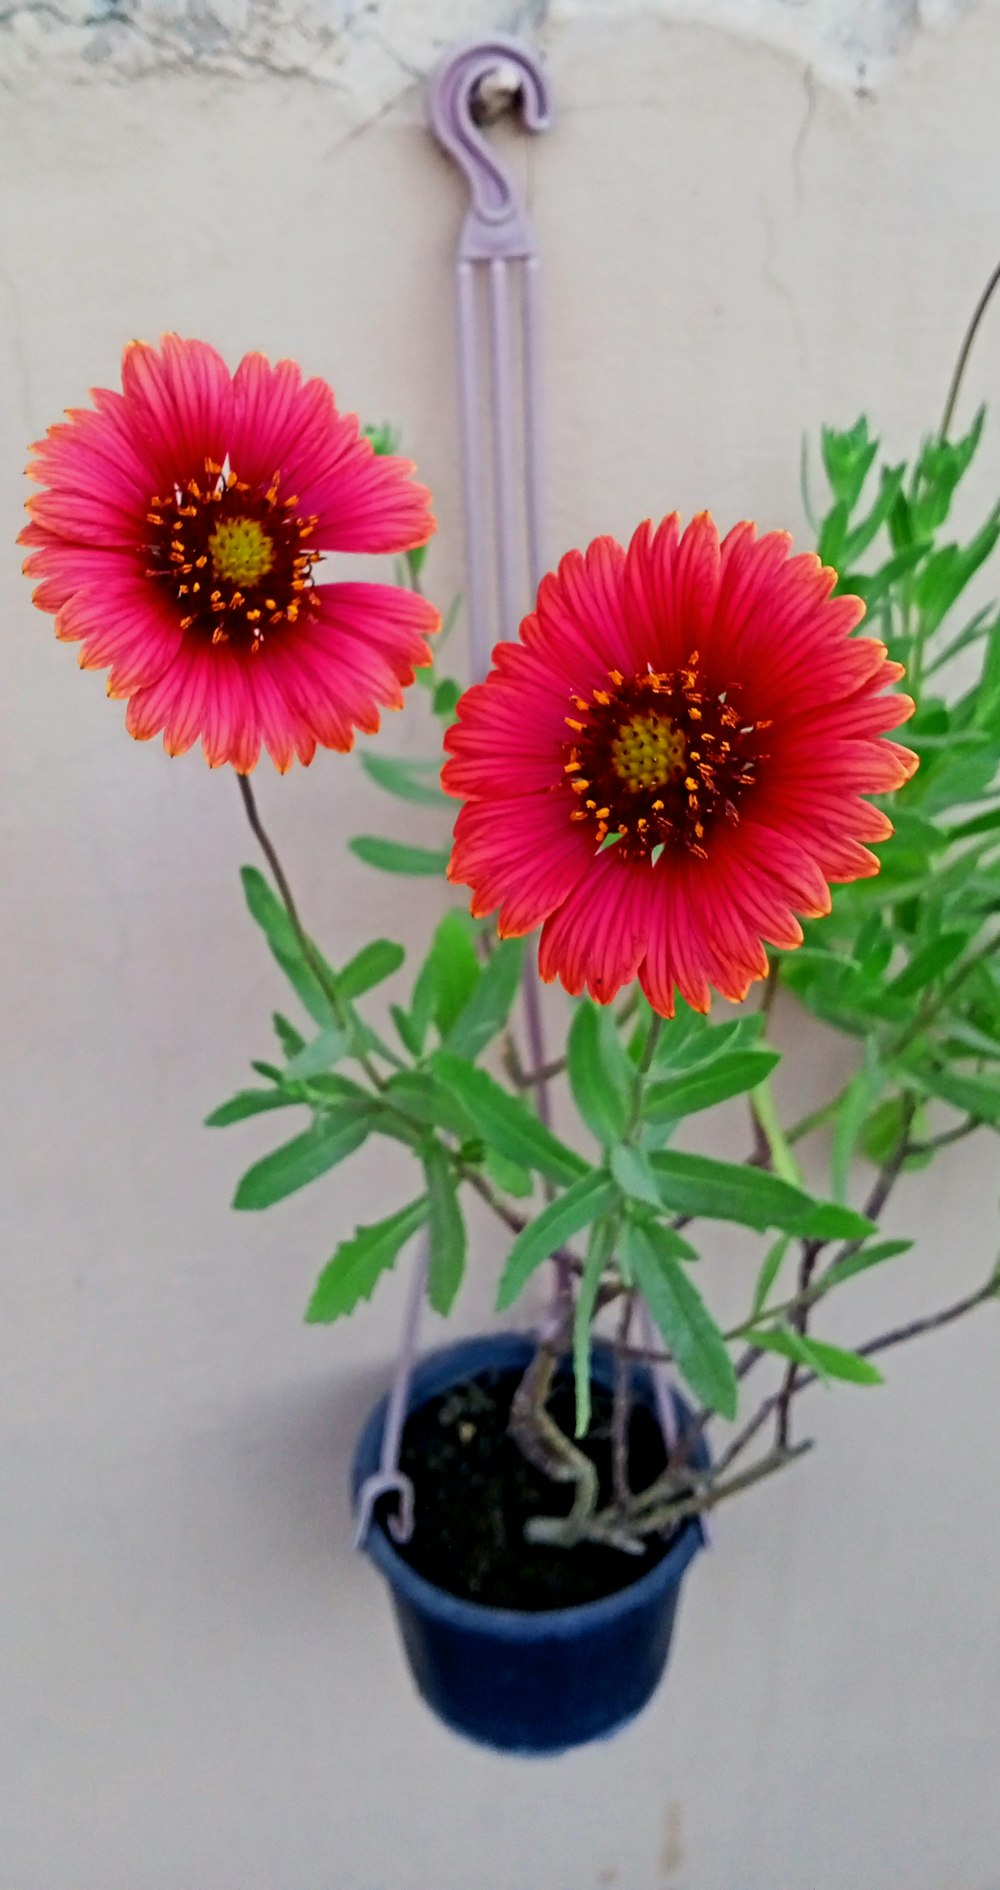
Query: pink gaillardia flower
{"x":670,"y":763}
{"x":177,"y":541}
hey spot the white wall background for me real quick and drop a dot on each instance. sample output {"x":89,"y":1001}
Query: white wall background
{"x":199,"y":1686}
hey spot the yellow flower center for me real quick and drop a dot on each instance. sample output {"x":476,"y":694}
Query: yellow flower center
{"x":658,"y":758}
{"x":648,"y":752}
{"x":241,"y":551}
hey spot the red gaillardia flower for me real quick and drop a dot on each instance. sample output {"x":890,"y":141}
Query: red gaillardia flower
{"x":177,"y":540}
{"x":708,"y":705}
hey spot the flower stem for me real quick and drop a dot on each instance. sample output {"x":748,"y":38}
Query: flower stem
{"x":320,"y":970}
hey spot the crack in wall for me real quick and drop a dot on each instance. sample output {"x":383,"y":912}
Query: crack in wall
{"x":372,"y":50}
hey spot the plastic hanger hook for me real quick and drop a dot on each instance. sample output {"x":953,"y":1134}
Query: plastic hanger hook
{"x":496,"y":224}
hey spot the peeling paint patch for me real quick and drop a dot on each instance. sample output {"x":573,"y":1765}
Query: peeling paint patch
{"x":371,"y":50}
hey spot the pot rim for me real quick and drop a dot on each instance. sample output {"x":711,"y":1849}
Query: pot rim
{"x":449,"y":1364}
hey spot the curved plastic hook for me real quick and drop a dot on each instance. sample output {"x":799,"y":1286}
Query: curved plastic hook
{"x":496,"y":224}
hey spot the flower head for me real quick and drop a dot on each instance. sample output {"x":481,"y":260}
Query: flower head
{"x":177,"y":541}
{"x":670,"y":763}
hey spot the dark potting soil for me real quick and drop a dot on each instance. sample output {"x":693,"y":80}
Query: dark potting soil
{"x":475,"y":1491}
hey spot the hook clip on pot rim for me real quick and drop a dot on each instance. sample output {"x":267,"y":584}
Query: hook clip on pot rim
{"x":389,"y":1479}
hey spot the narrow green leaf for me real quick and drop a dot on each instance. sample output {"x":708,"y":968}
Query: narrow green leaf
{"x":506,"y":1123}
{"x":248,"y":1102}
{"x":724,"y":1191}
{"x":449,"y":973}
{"x":864,"y":1258}
{"x":488,"y":1005}
{"x":585,"y":1201}
{"x":928,"y":964}
{"x":634,"y":1175}
{"x":408,"y":1035}
{"x":769,"y":1271}
{"x":392,"y":856}
{"x":687,"y":1325}
{"x":332,"y":1136}
{"x":859,"y":1098}
{"x":885,"y":1127}
{"x":703,"y":1087}
{"x":415,"y":781}
{"x":446,"y":1230}
{"x":370,"y":966}
{"x":290,"y":1039}
{"x":830,"y":1361}
{"x":446,"y":697}
{"x":351,"y":1275}
{"x":665,"y":1241}
{"x":267,"y":911}
{"x":508,"y":1176}
{"x":988,"y":822}
{"x":969,"y":1093}
{"x":319,"y":1055}
{"x":600,"y":1080}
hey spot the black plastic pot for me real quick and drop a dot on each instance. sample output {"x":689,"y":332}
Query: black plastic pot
{"x":520,"y":1682}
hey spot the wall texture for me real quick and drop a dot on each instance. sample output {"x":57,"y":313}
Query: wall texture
{"x":371,"y":50}
{"x":199,"y":1687}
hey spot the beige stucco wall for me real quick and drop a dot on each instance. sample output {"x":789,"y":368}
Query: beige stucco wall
{"x":199,"y":1687}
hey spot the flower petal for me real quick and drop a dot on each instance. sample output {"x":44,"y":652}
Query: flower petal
{"x":180,"y":401}
{"x":523,"y":856}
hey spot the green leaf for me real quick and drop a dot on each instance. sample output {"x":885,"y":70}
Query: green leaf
{"x":581,"y":1204}
{"x":445,"y":699}
{"x":687,"y":1325}
{"x":488,"y":1006}
{"x":948,"y":571}
{"x":852,"y":1111}
{"x":769,"y":1271}
{"x":689,"y":1040}
{"x":885,"y":1127}
{"x":724,"y":1191}
{"x":408,"y":1036}
{"x":634,"y":1175}
{"x":508,"y":1176}
{"x":447,"y":977}
{"x":830,"y":1361}
{"x":321,"y":1054}
{"x":334,"y":1134}
{"x":415,"y":781}
{"x":703,"y":1087}
{"x":928,"y":964}
{"x":446,"y":1230}
{"x":383,"y":437}
{"x":988,"y":822}
{"x":600,"y":1074}
{"x":392,"y":856}
{"x":370,"y":966}
{"x":864,"y":534}
{"x":269,"y":913}
{"x":290,"y":1039}
{"x":971,"y":1094}
{"x":506,"y":1123}
{"x":248,"y":1102}
{"x":665,"y":1241}
{"x":848,"y":457}
{"x":267,"y":910}
{"x":358,"y":1262}
{"x":864,"y":1258}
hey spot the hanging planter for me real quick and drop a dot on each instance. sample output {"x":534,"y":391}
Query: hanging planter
{"x":539,"y":1679}
{"x":662,"y":771}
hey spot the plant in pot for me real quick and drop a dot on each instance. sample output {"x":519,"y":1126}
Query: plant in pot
{"x":689,"y":744}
